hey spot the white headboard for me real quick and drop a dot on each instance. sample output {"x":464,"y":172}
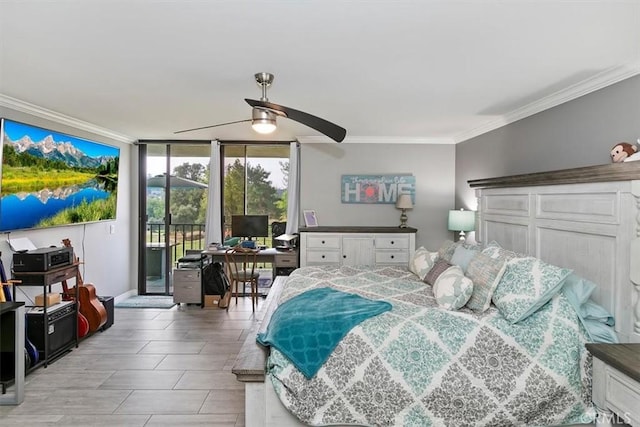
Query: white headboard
{"x":586,"y":219}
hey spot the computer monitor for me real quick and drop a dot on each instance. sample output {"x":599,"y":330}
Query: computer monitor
{"x":250,"y":226}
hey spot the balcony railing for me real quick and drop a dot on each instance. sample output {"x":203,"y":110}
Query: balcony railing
{"x":183,"y":237}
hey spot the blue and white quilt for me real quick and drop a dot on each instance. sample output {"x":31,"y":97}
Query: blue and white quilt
{"x":418,"y":365}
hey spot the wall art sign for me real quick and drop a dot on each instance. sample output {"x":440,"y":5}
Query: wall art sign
{"x":372,"y":189}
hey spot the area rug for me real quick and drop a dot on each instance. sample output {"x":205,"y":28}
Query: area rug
{"x":147,"y":301}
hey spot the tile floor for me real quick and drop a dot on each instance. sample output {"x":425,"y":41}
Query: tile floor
{"x":152,"y":367}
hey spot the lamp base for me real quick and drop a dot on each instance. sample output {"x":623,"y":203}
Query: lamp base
{"x":403,"y":219}
{"x":462,"y":236}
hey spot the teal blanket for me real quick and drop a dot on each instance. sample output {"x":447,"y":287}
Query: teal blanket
{"x":307,"y":327}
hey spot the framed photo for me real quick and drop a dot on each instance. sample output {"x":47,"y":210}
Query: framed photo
{"x":310,"y":219}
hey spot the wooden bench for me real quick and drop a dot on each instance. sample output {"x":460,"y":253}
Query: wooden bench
{"x":250,"y":363}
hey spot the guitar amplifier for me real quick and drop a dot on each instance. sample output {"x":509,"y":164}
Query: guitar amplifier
{"x":61,"y":331}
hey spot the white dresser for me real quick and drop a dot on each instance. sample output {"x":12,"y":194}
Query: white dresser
{"x":356,"y":245}
{"x":616,"y":383}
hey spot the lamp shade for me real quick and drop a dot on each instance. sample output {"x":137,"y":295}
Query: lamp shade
{"x":462,"y":220}
{"x":404,"y":202}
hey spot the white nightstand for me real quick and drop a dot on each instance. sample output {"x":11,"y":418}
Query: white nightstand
{"x":616,"y":382}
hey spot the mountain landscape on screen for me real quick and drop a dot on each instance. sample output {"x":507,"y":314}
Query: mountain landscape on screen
{"x":51,"y":179}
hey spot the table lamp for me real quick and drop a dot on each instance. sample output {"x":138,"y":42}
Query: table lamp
{"x":404,"y":202}
{"x":461,"y":220}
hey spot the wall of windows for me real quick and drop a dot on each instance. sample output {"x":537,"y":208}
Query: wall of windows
{"x":255,"y":182}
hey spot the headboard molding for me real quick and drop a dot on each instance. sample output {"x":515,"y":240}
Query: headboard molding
{"x":625,"y":171}
{"x":591,"y":226}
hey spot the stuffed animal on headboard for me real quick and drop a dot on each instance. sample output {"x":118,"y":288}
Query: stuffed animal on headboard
{"x":624,"y":152}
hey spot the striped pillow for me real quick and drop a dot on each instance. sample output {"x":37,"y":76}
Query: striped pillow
{"x":485,"y":272}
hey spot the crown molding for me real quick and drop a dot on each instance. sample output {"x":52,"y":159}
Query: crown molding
{"x":592,"y":84}
{"x":25,"y":107}
{"x":375,"y":140}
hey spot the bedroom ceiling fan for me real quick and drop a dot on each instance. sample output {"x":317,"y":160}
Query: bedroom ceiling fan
{"x":263,"y":116}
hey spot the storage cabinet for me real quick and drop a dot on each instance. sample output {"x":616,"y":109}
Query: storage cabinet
{"x":187,"y":286}
{"x":356,"y":245}
{"x":284,"y":263}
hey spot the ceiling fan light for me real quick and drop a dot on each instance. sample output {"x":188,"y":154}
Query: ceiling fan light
{"x":263,"y":121}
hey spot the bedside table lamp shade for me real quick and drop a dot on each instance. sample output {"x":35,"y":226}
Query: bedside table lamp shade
{"x":404,"y":202}
{"x":461,"y":220}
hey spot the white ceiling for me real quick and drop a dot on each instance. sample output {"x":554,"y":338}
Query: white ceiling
{"x":413,"y":71}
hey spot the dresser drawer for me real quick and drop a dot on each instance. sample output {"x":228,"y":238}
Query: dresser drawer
{"x":392,"y":257}
{"x":623,"y":395}
{"x":392,"y":242}
{"x":323,"y":257}
{"x":322,"y":242}
{"x":286,"y":260}
{"x":186,"y":276}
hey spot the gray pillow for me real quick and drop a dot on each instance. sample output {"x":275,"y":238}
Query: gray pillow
{"x":439,"y":267}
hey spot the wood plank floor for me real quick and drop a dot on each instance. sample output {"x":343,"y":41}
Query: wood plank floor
{"x":153,"y":367}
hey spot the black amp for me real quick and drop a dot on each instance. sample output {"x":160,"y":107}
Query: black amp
{"x":43,"y":259}
{"x":60,"y":327}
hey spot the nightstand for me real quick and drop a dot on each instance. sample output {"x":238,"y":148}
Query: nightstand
{"x":616,"y":381}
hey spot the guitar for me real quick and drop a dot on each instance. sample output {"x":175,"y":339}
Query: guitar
{"x":83,"y":323}
{"x":31,"y":352}
{"x":90,"y":305}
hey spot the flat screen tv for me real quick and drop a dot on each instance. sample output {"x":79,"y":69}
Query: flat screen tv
{"x":249,"y":226}
{"x":52,"y":179}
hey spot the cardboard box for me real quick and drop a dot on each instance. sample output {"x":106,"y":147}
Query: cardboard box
{"x":211,"y":300}
{"x":52,"y":299}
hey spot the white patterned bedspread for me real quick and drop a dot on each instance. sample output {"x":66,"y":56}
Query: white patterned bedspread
{"x":418,"y":365}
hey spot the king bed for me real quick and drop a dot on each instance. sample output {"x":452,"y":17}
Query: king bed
{"x":412,"y":362}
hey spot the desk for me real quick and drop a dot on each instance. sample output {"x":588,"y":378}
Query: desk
{"x":12,"y":314}
{"x":284,"y":261}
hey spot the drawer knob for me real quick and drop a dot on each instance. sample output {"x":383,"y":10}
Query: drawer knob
{"x":323,"y":242}
{"x":344,"y":256}
{"x":391,"y":256}
{"x":392,"y":242}
{"x":322,"y":256}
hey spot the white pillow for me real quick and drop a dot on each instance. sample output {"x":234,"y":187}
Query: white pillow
{"x":452,"y":289}
{"x":422,"y":261}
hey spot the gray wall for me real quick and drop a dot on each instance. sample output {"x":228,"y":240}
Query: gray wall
{"x":322,"y":166}
{"x":107,"y":257}
{"x":578,"y":133}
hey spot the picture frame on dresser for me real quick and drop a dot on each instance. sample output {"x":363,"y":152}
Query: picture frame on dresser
{"x":310,"y":218}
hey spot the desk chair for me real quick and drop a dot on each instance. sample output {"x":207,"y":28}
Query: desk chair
{"x":241,"y":265}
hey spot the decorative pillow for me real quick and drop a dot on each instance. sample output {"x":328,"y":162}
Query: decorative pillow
{"x":494,"y":250}
{"x":526,"y":285}
{"x":452,"y":289}
{"x":462,"y":256}
{"x":577,"y":290}
{"x":447,"y":249}
{"x":422,"y":262}
{"x":438,"y":268}
{"x":485,"y":272}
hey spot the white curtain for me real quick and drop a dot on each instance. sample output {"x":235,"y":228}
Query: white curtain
{"x":213,"y":225}
{"x":293,"y":189}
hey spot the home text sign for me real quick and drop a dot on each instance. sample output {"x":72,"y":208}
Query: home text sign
{"x":376,"y":188}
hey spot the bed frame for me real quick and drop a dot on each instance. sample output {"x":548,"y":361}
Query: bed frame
{"x":586,"y":219}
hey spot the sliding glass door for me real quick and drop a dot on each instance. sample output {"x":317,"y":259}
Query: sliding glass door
{"x":173,"y":197}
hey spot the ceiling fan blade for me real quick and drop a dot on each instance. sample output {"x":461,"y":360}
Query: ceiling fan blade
{"x":213,"y":126}
{"x":323,"y":126}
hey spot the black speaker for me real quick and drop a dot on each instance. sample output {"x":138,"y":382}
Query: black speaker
{"x":61,"y":328}
{"x":107,"y":302}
